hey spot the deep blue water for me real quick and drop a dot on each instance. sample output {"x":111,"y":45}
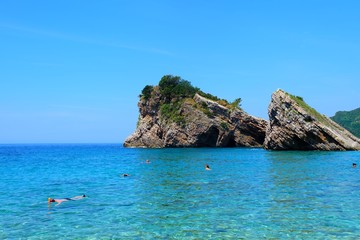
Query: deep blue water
{"x":248,"y":194}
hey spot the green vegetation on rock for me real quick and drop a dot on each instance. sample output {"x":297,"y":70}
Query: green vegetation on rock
{"x":224,"y":125}
{"x":236,"y":103}
{"x":171,"y":112}
{"x":349,"y":120}
{"x":311,"y":111}
{"x":146,"y":92}
{"x":174,"y":91}
{"x":138,"y":121}
{"x":175,"y":87}
{"x":210,"y":96}
{"x":205,"y":109}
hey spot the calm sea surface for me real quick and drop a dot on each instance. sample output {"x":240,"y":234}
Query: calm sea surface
{"x":248,"y":194}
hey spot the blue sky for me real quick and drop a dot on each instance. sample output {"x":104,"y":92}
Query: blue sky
{"x":71,"y":71}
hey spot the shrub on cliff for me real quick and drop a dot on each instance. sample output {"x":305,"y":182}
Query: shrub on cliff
{"x":176,"y":87}
{"x":236,"y":103}
{"x":146,"y":92}
{"x":210,"y":96}
{"x":170,"y":112}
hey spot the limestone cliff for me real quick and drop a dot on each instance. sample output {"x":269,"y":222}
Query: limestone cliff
{"x":193,"y":122}
{"x":293,"y":125}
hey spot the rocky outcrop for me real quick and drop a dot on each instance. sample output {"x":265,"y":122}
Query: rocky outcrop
{"x":293,"y":125}
{"x":199,"y":122}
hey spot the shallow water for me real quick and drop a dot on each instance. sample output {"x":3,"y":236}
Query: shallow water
{"x":248,"y":194}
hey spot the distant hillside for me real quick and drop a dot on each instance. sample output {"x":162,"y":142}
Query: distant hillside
{"x":349,"y":120}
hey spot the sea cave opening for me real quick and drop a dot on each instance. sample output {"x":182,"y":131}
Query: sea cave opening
{"x":209,"y":139}
{"x":231,"y":143}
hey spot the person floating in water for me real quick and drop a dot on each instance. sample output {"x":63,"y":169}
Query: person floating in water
{"x":60,"y":200}
{"x":354,"y":165}
{"x":147,"y":161}
{"x":207,"y":167}
{"x":126,"y":175}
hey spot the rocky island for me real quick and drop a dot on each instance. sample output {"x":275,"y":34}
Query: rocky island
{"x":176,"y":114}
{"x":294,"y":125}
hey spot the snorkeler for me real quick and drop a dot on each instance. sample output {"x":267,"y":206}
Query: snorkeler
{"x":207,"y":167}
{"x":60,"y":200}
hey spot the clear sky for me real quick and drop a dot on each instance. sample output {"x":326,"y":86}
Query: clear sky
{"x":71,"y":71}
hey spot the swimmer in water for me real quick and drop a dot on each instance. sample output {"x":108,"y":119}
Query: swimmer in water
{"x":60,"y":200}
{"x":125,"y":175}
{"x":354,"y":165}
{"x":207,"y":167}
{"x":147,"y":161}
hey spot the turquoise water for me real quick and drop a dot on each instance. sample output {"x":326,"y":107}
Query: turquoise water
{"x":248,"y":194}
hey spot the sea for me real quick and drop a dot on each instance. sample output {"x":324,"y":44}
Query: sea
{"x":248,"y":193}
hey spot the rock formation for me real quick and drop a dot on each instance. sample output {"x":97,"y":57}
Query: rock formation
{"x":293,"y":125}
{"x":193,"y":122}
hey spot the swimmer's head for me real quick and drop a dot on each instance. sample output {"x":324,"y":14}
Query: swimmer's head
{"x":83,"y":195}
{"x":51,"y":200}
